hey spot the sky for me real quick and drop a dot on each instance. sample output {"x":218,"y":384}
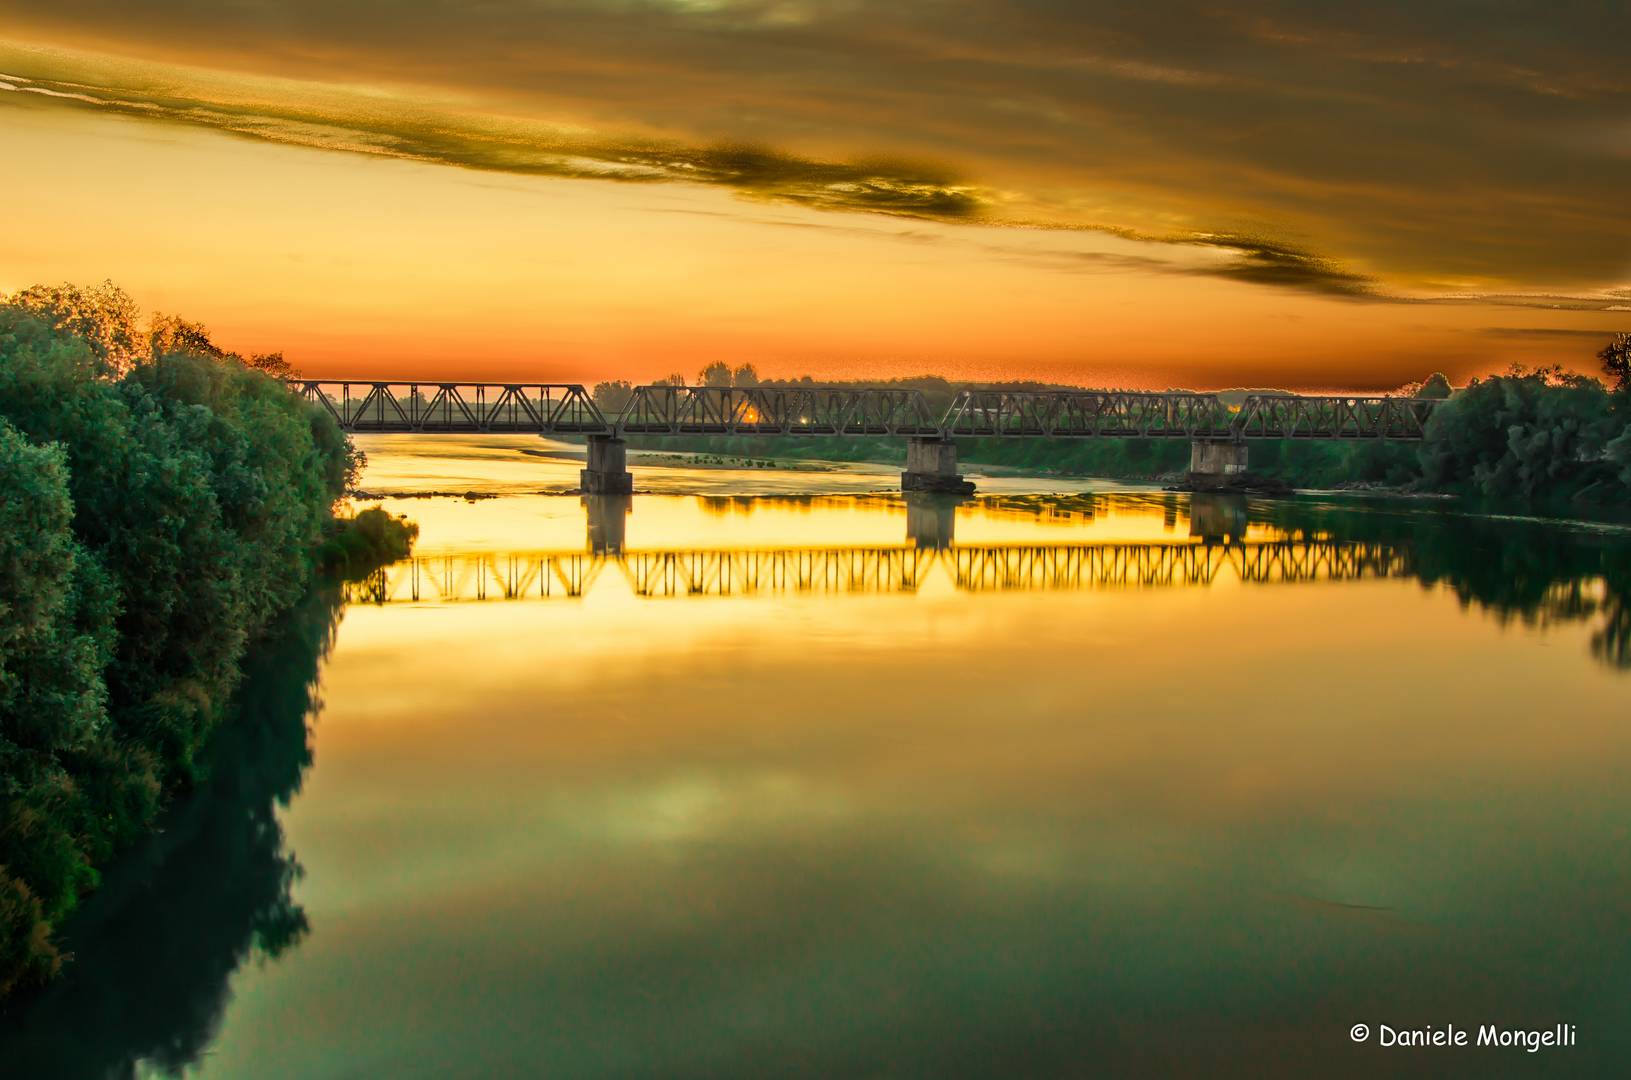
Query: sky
{"x":1168,"y":193}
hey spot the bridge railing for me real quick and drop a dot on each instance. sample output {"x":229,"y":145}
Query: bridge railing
{"x":776,"y":410}
{"x":407,"y":406}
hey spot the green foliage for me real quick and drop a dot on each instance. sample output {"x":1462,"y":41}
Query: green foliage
{"x":210,"y":894}
{"x":102,"y":317}
{"x":1436,"y":388}
{"x":1527,"y":435}
{"x":612,"y":396}
{"x":1616,"y":358}
{"x":161,"y":502}
{"x":358,"y":545}
{"x":717,"y":373}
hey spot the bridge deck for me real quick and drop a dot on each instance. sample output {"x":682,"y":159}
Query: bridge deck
{"x":832,"y":411}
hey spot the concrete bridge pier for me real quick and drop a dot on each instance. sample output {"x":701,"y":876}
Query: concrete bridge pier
{"x":607,"y":515}
{"x":931,"y":519}
{"x":1216,"y":464}
{"x":931,"y":465}
{"x":608,"y":469}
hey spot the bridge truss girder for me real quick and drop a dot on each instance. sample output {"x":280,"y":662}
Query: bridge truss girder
{"x":776,"y":410}
{"x":438,"y":407}
{"x":1109,"y":414}
{"x":1271,"y":416}
{"x":1106,"y":414}
{"x":568,"y":409}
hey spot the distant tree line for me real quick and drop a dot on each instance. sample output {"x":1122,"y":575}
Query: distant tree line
{"x":161,"y":502}
{"x":613,"y":394}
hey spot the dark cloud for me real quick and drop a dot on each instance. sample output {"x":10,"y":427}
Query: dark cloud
{"x":1263,"y":262}
{"x":878,"y":187}
{"x":1453,"y":145}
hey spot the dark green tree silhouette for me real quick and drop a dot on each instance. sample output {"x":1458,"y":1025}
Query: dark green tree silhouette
{"x":1616,"y":358}
{"x":161,"y":502}
{"x":612,"y":396}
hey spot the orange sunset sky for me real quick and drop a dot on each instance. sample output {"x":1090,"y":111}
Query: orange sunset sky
{"x":1163,"y":194}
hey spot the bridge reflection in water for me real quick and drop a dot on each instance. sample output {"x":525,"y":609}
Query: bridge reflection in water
{"x":1215,"y":550}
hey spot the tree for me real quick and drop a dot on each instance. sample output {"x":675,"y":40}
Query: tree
{"x":173,"y":334}
{"x":1527,"y":434}
{"x":1437,"y":387}
{"x":1616,"y":358}
{"x":56,"y":637}
{"x":1618,"y":454}
{"x":161,"y":501}
{"x":273,"y":364}
{"x":612,"y":396}
{"x":674,"y":379}
{"x":746,"y":375}
{"x":103,"y":317}
{"x":717,"y":373}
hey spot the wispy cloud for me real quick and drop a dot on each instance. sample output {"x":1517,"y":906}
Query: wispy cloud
{"x":876,"y":186}
{"x":884,"y":187}
{"x":1545,"y":332}
{"x":1264,"y":262}
{"x":1286,"y":146}
{"x":1606,"y":300}
{"x":1413,"y":142}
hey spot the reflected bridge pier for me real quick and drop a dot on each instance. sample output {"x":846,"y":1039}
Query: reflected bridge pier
{"x":1218,"y":430}
{"x":608,"y":517}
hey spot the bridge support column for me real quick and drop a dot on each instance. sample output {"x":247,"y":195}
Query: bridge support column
{"x":1216,"y":464}
{"x":608,"y":471}
{"x":931,"y":465}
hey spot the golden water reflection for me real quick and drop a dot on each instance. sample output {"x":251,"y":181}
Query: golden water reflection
{"x":1138,"y":803}
{"x":1158,"y":822}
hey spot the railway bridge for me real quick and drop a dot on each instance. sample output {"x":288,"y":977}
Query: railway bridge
{"x":1217,"y":431}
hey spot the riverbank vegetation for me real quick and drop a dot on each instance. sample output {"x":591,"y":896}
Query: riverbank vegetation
{"x":162,"y":501}
{"x":1530,"y":436}
{"x":205,"y":894}
{"x":363,"y":543}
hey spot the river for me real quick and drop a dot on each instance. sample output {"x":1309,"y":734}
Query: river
{"x":768,"y":772}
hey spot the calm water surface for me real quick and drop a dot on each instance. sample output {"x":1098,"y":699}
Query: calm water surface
{"x":790,"y":777}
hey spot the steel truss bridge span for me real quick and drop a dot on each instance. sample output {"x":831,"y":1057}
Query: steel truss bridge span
{"x":568,"y":409}
{"x":456,"y":408}
{"x":881,"y":569}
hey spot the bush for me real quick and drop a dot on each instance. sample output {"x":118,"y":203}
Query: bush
{"x":359,"y":545}
{"x":161,"y":502}
{"x":1528,"y":435}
